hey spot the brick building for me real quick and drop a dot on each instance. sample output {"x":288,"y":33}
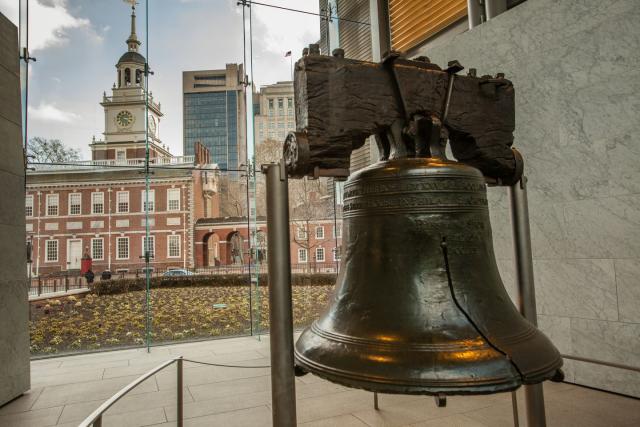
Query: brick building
{"x":100,"y":211}
{"x":225,"y":241}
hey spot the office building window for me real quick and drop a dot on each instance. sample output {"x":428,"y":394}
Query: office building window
{"x":122,"y":248}
{"x":52,"y":204}
{"x":320,"y":254}
{"x":97,"y":203}
{"x":151,"y":203}
{"x":51,"y":251}
{"x":302,"y":255}
{"x":97,"y":249}
{"x":336,"y":253}
{"x":280,"y":103}
{"x":122,"y":198}
{"x":173,"y":244}
{"x":337,"y":232}
{"x":290,"y":102}
{"x":270,"y":103}
{"x":320,"y":232}
{"x":75,"y":203}
{"x":28,"y":206}
{"x":173,"y":199}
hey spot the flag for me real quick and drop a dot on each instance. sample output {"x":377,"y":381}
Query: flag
{"x":286,"y":55}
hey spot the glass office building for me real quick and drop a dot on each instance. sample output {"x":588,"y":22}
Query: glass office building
{"x":213,"y":114}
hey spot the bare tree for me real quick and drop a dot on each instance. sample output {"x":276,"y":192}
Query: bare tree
{"x":233,"y":195}
{"x":45,"y":150}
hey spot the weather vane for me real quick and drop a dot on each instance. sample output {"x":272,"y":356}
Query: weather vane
{"x":133,"y":3}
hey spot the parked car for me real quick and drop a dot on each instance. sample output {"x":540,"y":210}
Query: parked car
{"x":177,"y":272}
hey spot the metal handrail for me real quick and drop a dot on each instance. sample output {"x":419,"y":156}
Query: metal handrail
{"x":601,"y":362}
{"x":95,"y":419}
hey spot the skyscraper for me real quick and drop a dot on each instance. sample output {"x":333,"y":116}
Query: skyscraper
{"x":214,"y":114}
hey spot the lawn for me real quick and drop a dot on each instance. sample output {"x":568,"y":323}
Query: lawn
{"x":91,"y":322}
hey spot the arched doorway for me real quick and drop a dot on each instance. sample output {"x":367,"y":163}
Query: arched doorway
{"x":211,"y":250}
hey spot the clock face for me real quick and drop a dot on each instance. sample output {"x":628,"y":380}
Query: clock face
{"x":152,"y":125}
{"x":125,"y":119}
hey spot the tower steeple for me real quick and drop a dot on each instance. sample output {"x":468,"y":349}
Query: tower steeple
{"x":133,"y":41}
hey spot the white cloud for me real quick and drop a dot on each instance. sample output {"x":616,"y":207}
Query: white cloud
{"x":49,"y":22}
{"x":51,"y":113}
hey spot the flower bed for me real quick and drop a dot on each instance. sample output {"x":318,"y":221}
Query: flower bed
{"x":99,"y":321}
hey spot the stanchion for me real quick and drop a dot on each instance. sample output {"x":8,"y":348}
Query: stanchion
{"x":283,"y":393}
{"x":534,"y":397}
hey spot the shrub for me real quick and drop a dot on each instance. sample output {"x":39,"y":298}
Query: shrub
{"x":117,"y":286}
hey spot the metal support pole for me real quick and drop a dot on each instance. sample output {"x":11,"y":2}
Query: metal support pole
{"x":474,"y":13}
{"x":375,"y":400}
{"x":283,"y":392}
{"x":98,"y":422}
{"x":180,"y":402}
{"x":533,"y":395}
{"x":494,"y":8}
{"x":514,"y":406}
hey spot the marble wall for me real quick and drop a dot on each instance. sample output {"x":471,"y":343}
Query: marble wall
{"x":576,"y":69}
{"x":14,"y":309}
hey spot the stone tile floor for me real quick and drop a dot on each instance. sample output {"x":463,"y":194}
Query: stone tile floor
{"x":67,"y":389}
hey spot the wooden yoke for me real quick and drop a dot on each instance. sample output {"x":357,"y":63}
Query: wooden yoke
{"x":411,"y":107}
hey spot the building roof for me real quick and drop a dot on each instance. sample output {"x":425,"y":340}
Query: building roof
{"x":132,"y":57}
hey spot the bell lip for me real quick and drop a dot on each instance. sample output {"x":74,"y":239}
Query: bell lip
{"x":448,"y":388}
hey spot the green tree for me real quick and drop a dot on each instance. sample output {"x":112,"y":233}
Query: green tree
{"x":45,"y":150}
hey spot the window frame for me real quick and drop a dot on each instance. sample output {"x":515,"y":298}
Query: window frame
{"x":93,"y":252}
{"x":303,"y":259}
{"x":71,"y":205}
{"x":118,"y":193}
{"x":301,"y":233}
{"x":169,"y":199}
{"x":29,"y":204}
{"x":152,"y":238}
{"x":93,"y":203}
{"x":46,"y":250}
{"x":152,"y":200}
{"x":175,"y":237}
{"x":321,"y":250}
{"x":118,"y":239}
{"x":321,"y":235}
{"x":55,"y":196}
{"x":337,"y":232}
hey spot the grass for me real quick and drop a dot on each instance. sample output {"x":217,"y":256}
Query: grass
{"x":77,"y":323}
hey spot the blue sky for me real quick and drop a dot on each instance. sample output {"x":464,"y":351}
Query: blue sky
{"x":78,"y":42}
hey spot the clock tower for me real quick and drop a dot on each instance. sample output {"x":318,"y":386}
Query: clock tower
{"x":131,"y":115}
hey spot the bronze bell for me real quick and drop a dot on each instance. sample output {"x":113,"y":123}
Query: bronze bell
{"x":419,"y":306}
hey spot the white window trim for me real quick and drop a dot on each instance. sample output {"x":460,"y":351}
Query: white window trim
{"x":121,"y":150}
{"x":93,"y":256}
{"x":323,"y":255}
{"x":46,"y":250}
{"x":337,"y":232}
{"x":153,"y":245}
{"x":152,"y":200}
{"x":173,"y":191}
{"x":318,"y":228}
{"x":69,"y":204}
{"x":118,"y":248}
{"x":57,"y":198}
{"x":335,"y":253}
{"x":179,"y":240}
{"x":301,"y":233}
{"x":306,"y":256}
{"x":28,"y":202}
{"x":93,"y":212}
{"x":118,"y":202}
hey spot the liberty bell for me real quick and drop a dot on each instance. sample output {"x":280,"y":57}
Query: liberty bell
{"x":419,"y":306}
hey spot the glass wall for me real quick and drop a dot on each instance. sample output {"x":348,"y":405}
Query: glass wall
{"x":145,"y":129}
